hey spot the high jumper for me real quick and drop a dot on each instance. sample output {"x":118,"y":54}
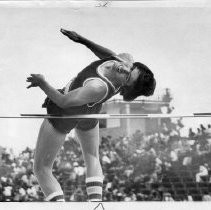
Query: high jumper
{"x":99,"y":81}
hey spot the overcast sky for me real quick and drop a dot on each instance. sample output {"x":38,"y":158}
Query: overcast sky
{"x":173,"y":41}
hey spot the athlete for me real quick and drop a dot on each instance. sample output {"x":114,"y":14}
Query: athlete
{"x":95,"y":84}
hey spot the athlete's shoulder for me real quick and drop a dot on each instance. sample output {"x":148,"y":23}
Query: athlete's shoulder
{"x":96,"y":87}
{"x":95,"y":82}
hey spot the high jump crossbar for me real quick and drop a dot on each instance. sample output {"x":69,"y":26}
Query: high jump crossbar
{"x":107,"y":116}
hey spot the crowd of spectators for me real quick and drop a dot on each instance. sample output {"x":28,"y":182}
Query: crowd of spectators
{"x":131,"y":166}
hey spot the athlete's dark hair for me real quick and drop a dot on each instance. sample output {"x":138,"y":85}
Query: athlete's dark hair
{"x":144,"y":86}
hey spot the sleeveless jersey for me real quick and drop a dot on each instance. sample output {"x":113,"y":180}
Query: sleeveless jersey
{"x":101,"y":70}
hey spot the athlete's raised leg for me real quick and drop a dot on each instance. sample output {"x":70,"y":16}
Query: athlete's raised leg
{"x":89,"y":141}
{"x":48,"y":144}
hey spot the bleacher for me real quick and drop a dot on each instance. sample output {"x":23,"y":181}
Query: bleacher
{"x":138,"y":154}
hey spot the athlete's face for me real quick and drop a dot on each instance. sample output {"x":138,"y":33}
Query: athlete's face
{"x":133,"y":76}
{"x":123,"y":73}
{"x":128,"y":75}
{"x":129,"y":79}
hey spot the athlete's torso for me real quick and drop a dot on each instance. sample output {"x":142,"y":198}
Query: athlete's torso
{"x":102,"y":70}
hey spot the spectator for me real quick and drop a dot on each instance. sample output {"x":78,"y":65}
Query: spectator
{"x":23,"y":195}
{"x":202,"y":128}
{"x":206,"y":197}
{"x":191,"y":134}
{"x":155,"y":195}
{"x":7,"y":193}
{"x":187,"y":161}
{"x":199,"y":132}
{"x":32,"y":193}
{"x":79,"y":170}
{"x":129,"y":171}
{"x":105,"y":158}
{"x":203,"y":172}
{"x":174,"y":156}
{"x":167,"y":196}
{"x":208,"y":135}
{"x":189,"y":197}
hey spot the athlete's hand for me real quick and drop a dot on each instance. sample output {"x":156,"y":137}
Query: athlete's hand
{"x":36,"y":80}
{"x":71,"y":35}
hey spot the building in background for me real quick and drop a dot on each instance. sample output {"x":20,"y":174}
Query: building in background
{"x":120,"y":127}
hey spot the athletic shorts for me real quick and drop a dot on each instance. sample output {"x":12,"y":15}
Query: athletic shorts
{"x":66,"y":125}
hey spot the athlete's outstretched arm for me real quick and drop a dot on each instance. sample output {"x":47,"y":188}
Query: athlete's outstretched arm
{"x":92,"y":92}
{"x":100,"y":51}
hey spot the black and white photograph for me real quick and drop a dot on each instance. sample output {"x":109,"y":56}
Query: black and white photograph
{"x":105,"y":104}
